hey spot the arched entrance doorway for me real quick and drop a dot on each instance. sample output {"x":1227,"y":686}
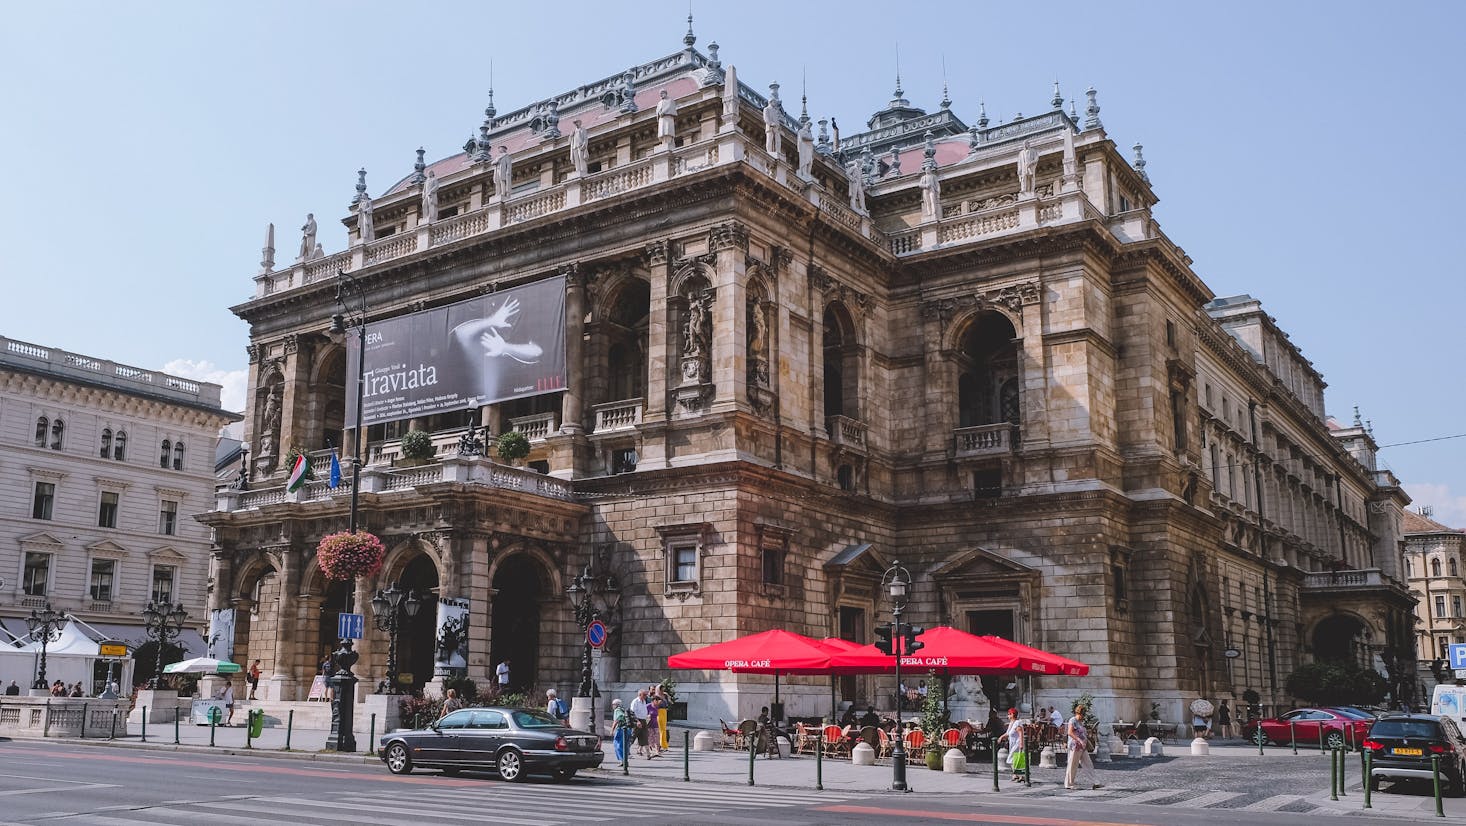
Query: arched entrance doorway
{"x":336,"y":602}
{"x":416,"y":635}
{"x":1341,"y":638}
{"x":519,"y":585}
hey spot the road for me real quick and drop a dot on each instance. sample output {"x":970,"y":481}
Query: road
{"x":59,"y":783}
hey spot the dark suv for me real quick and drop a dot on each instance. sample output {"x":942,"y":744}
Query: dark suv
{"x":1402,"y":746}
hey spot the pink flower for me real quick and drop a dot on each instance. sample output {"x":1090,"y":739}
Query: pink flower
{"x":346,"y":556}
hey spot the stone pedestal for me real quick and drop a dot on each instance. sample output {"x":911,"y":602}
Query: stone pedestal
{"x":580,"y":714}
{"x":386,"y":707}
{"x":704,"y":741}
{"x":1200,"y":748}
{"x":1153,"y":748}
{"x":1133,"y":750}
{"x":163,"y":707}
{"x":1046,"y":758}
{"x":863,"y":755}
{"x":954,"y":762}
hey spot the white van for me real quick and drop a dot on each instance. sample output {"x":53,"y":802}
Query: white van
{"x":1449,"y":701}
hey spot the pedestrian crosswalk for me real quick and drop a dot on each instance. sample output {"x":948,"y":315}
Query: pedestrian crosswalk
{"x":579,"y":801}
{"x":1181,"y":798}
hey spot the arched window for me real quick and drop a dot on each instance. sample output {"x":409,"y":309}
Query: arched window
{"x":1452,"y":566}
{"x":626,"y":336}
{"x":842,"y":362}
{"x":106,"y":451}
{"x":987,"y":384}
{"x":43,"y":426}
{"x":58,"y":432}
{"x":178,"y":455}
{"x":119,"y":446}
{"x":167,"y":454}
{"x":1435,"y":567}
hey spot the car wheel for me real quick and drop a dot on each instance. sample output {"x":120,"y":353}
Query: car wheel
{"x":1259,"y":736}
{"x":511,"y":765}
{"x":564,"y":774}
{"x":398,"y":760}
{"x":1335,"y":740}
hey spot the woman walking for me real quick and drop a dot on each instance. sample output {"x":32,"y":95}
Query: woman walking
{"x":1017,"y":746}
{"x":620,"y":728}
{"x":653,"y":722}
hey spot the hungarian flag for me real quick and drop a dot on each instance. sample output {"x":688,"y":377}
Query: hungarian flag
{"x":335,"y":471}
{"x":298,"y":473}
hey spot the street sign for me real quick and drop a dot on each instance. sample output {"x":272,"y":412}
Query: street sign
{"x":112,"y":649}
{"x":1231,"y":653}
{"x":595,"y":634}
{"x":1456,"y":653}
{"x":350,"y":626}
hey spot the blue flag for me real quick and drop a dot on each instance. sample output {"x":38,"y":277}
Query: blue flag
{"x":335,"y":471}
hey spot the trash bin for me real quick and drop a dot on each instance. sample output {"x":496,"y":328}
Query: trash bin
{"x":256,"y":722}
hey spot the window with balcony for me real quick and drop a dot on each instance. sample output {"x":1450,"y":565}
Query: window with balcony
{"x":987,"y":382}
{"x":103,"y":573}
{"x":168,"y":518}
{"x":43,"y":500}
{"x":163,"y":577}
{"x":37,"y":574}
{"x":626,"y":341}
{"x":107,"y":510}
{"x":841,"y":351}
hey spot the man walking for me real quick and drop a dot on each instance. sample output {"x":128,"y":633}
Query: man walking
{"x":254,"y":678}
{"x":639,"y":713}
{"x":502,"y":673}
{"x":555,"y":707}
{"x":1078,"y":752}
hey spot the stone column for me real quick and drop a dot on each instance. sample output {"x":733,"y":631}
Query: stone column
{"x":1033,"y":368}
{"x":730,"y":334}
{"x":572,"y":405}
{"x":290,"y":617}
{"x":662,"y":355}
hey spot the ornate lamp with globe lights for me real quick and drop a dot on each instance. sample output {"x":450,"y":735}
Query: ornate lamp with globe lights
{"x":164,"y":622}
{"x":388,"y":609}
{"x":44,"y":626}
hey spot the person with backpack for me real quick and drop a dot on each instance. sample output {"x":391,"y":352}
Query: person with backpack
{"x":556,"y":707}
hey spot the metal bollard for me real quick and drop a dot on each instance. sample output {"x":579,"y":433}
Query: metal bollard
{"x":819,"y":765}
{"x":1321,"y":738}
{"x":83,"y":721}
{"x":1333,"y":776}
{"x":1027,"y":764}
{"x":372,"y":734}
{"x":752,"y":753}
{"x":112,"y":735}
{"x":1435,"y":776}
{"x":686,"y":756}
{"x":625,"y":754}
{"x":1368,"y":779}
{"x":213,"y":721}
{"x":1343,"y":767}
{"x":995,"y":762}
{"x":1293,"y":735}
{"x":1261,"y":737}
{"x":249,"y":729}
{"x":46,"y":726}
{"x":175,"y":726}
{"x":145,"y":724}
{"x":289,"y":728}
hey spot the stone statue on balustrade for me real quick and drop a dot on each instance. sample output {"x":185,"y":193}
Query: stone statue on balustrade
{"x":666,"y":119}
{"x":931,"y":193}
{"x":503,"y":174}
{"x":696,"y":338}
{"x":773,"y":120}
{"x":308,"y":238}
{"x":270,"y":423}
{"x":580,"y":150}
{"x":429,"y":211}
{"x":857,"y":186}
{"x":805,"y":146}
{"x":364,"y":218}
{"x":1027,"y":167}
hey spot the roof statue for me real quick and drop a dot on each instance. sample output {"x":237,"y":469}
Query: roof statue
{"x":1027,"y":168}
{"x":429,"y":210}
{"x":628,"y":91}
{"x":835,"y":128}
{"x":503,"y":174}
{"x":822,"y":145}
{"x":580,"y":150}
{"x":713,"y":74}
{"x":856,"y":175}
{"x":773,"y":115}
{"x":973,"y":140}
{"x":308,"y":238}
{"x":895,"y":165}
{"x":931,"y":187}
{"x":1091,"y":111}
{"x":364,"y":226}
{"x":552,"y":120}
{"x":666,"y":119}
{"x":418,"y":175}
{"x":360,"y":186}
{"x":805,"y":147}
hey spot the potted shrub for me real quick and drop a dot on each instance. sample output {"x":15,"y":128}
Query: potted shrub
{"x":417,"y":448}
{"x":512,"y":446}
{"x":347,"y":556}
{"x":934,"y":720}
{"x":677,"y":709}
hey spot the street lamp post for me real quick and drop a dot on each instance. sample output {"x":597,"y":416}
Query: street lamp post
{"x":43,"y":625}
{"x":583,"y":591}
{"x":164,"y":621}
{"x":896,"y":580}
{"x":387,"y":609}
{"x":342,"y":736}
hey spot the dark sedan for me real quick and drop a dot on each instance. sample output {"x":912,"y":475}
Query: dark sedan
{"x":511,"y":741}
{"x":1402,"y":747}
{"x":1334,"y":727}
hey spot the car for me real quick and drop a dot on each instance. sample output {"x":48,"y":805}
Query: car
{"x":1401,"y":747}
{"x":514,"y":742}
{"x":1332,"y":727}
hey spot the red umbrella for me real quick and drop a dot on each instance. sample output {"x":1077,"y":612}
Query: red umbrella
{"x":946,"y":650}
{"x":1053,"y":663}
{"x":770,"y":652}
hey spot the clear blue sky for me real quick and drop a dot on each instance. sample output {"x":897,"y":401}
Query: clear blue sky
{"x":147,"y":145}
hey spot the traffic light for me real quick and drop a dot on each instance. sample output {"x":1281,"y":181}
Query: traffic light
{"x":909,"y":633}
{"x":883,"y":639}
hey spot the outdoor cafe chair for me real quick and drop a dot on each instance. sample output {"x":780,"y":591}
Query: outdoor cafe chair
{"x":915,"y":745}
{"x":834,"y":741}
{"x":731,"y":736}
{"x":746,"y":729}
{"x":952,"y":738}
{"x":883,"y":743}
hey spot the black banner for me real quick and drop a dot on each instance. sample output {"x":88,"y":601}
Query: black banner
{"x":502,"y":346}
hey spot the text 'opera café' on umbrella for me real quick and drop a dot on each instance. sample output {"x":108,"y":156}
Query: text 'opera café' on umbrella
{"x":756,"y":361}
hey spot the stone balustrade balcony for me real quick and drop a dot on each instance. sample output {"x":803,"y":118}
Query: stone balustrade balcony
{"x":984,"y":440}
{"x":538,"y":427}
{"x":622,"y":415}
{"x":846,"y":432}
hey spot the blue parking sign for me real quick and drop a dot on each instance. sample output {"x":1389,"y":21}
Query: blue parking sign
{"x":350,"y":626}
{"x":1456,"y":653}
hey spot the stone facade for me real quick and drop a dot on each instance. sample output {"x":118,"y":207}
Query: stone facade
{"x":778,"y":387}
{"x":103,"y":467}
{"x":1434,"y":555}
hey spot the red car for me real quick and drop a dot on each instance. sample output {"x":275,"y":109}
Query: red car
{"x":1337,"y":727}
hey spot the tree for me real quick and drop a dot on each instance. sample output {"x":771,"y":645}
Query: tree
{"x":1336,"y":683}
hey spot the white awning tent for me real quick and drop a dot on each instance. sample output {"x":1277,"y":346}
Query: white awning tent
{"x":71,"y":656}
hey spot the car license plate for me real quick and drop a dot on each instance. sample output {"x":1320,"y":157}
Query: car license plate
{"x":1410,"y":752}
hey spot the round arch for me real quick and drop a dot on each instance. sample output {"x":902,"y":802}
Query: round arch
{"x":522,"y":578}
{"x":1342,"y":636}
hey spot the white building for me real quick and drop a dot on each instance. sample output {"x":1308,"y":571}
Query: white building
{"x":101,"y":468}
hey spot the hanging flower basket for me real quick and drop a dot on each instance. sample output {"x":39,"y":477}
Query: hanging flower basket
{"x":346,"y":556}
